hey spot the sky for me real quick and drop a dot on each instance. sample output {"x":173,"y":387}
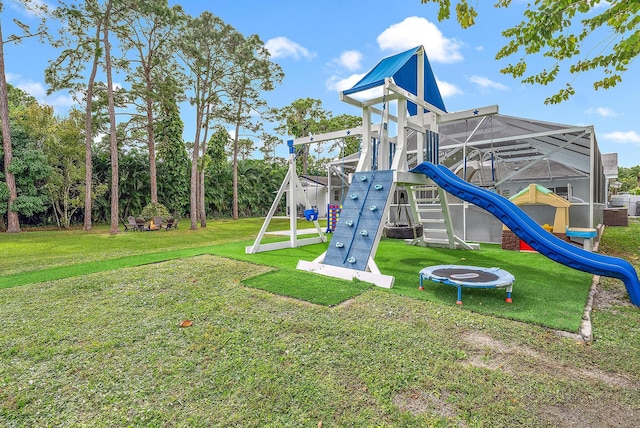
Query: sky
{"x":326,"y":46}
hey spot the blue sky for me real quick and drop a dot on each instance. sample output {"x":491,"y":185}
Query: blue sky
{"x":325,"y":46}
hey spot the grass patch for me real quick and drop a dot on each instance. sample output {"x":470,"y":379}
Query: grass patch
{"x":537,"y":297}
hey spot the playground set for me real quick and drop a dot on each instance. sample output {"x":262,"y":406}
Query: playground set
{"x":405,"y":83}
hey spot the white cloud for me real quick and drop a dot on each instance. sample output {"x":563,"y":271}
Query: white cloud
{"x":622,"y":137}
{"x":448,"y":89}
{"x":486,"y":83}
{"x":336,"y":83}
{"x":282,"y":47}
{"x":351,"y":60}
{"x":603,"y":111}
{"x":415,"y":31}
{"x":38,"y":91}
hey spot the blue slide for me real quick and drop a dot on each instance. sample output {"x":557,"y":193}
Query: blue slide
{"x":533,"y":234}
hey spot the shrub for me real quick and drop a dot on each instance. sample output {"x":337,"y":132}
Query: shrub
{"x":155,"y":209}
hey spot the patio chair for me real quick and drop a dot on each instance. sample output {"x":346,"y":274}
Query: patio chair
{"x":140,"y":224}
{"x":170,"y":225}
{"x":131,"y":226}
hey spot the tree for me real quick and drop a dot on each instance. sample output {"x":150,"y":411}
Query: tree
{"x":253,"y":74}
{"x":173,"y":160}
{"x":66,"y":72}
{"x":206,"y":47}
{"x":300,"y":119}
{"x":561,"y":30}
{"x":65,"y":153}
{"x":349,"y":144}
{"x":32,"y":126}
{"x":147,"y":34}
{"x":13,"y":222}
{"x":115,"y":215}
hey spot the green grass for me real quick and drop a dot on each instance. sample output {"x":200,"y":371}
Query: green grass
{"x":548,"y":303}
{"x":105,"y":349}
{"x":536,"y":300}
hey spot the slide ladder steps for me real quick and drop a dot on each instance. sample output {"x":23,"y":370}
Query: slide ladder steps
{"x":430,"y":207}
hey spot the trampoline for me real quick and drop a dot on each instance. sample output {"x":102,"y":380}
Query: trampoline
{"x":468,"y":276}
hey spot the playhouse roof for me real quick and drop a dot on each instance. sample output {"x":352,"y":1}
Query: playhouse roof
{"x":403,"y":68}
{"x":537,"y":194}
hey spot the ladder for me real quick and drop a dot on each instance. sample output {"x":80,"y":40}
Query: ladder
{"x":430,"y":206}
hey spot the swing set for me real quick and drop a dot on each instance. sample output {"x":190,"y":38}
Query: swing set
{"x":311,"y":214}
{"x":298,"y":195}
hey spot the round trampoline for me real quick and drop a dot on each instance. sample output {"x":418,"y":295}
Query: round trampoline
{"x":468,"y":276}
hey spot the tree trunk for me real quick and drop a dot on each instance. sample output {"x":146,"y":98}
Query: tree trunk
{"x":112,"y":126}
{"x":13,"y":222}
{"x":88,"y":140}
{"x":193,"y":207}
{"x":152,"y":147}
{"x":202,"y":213}
{"x":235,"y":172}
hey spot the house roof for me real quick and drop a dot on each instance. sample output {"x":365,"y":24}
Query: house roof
{"x":318,"y":180}
{"x":403,"y":68}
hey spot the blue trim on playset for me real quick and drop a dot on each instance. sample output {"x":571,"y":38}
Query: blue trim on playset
{"x":533,"y":234}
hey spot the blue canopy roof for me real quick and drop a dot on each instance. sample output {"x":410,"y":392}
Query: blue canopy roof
{"x":403,"y":68}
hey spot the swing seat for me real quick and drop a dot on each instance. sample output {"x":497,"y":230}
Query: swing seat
{"x":311,"y":214}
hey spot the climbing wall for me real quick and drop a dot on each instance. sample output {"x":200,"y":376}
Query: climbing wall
{"x":358,"y":230}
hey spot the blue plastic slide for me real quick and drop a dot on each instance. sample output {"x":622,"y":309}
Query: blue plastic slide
{"x":533,"y":234}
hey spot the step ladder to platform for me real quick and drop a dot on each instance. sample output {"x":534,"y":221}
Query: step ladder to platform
{"x":430,"y":206}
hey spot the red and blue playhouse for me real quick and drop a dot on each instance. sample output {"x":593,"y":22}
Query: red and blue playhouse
{"x":388,"y":163}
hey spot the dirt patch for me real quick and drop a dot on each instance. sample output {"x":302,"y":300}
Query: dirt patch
{"x":606,"y":297}
{"x":420,"y":402}
{"x":593,"y":414}
{"x":495,"y":354}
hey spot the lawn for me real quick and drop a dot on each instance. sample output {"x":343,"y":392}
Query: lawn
{"x":106,"y":348}
{"x":552,"y":304}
